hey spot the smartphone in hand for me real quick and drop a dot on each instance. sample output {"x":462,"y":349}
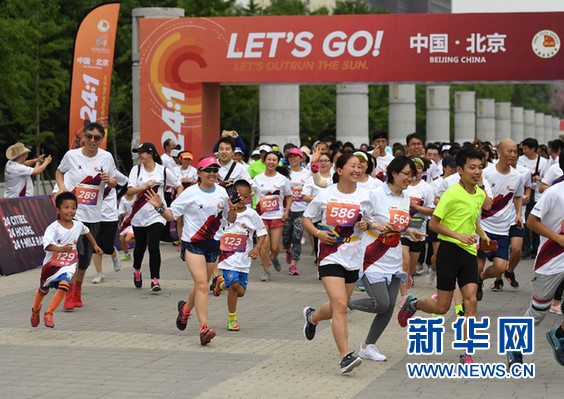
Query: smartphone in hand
{"x":488,"y":248}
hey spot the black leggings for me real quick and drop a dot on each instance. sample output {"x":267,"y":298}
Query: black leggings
{"x":150,"y":235}
{"x":106,"y":236}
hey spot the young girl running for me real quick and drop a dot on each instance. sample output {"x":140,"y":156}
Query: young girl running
{"x":340,"y":207}
{"x":274,"y":200}
{"x":199,"y":211}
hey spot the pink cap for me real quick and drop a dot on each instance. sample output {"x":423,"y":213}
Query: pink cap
{"x":207,"y":162}
{"x":294,"y":151}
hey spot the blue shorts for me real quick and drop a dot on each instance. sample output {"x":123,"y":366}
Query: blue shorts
{"x":232,"y":276}
{"x":55,"y":283}
{"x":502,"y":248}
{"x":209,"y":249}
{"x":515,"y":232}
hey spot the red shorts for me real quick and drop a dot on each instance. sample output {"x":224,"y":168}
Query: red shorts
{"x":273,"y":223}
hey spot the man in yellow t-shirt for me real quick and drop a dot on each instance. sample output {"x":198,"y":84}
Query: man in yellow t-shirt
{"x":455,"y":219}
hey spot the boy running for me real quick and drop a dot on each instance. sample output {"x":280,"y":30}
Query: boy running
{"x":59,"y":242}
{"x":237,"y":251}
{"x":455,"y":219}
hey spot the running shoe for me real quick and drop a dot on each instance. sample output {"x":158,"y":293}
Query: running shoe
{"x":465,"y":359}
{"x":294,"y":271}
{"x":431,"y":276}
{"x":309,"y":327}
{"x":98,"y":279}
{"x":176,"y":243}
{"x":288,"y":257}
{"x":349,"y":362}
{"x":419,"y":269}
{"x":276,"y":264}
{"x":217,"y":289}
{"x":557,"y":345}
{"x":183,"y":316}
{"x":125,"y":257}
{"x":460,"y":310}
{"x":35,"y":317}
{"x":480,"y":292}
{"x":265,"y":276}
{"x":155,"y":286}
{"x":232,"y":325}
{"x":514,"y":357}
{"x":510,"y":276}
{"x":406,"y":312}
{"x":212,"y":285}
{"x":359,"y":288}
{"x":206,"y":334}
{"x":435,"y":315}
{"x":116,"y":262}
{"x":497,"y":286}
{"x":370,"y":352}
{"x":48,"y":320}
{"x":137,"y":279}
{"x":555,"y":308}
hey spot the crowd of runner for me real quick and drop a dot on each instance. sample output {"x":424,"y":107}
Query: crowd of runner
{"x":376,"y":216}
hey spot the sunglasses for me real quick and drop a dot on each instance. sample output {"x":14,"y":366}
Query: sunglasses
{"x":210,"y":170}
{"x":90,"y":136}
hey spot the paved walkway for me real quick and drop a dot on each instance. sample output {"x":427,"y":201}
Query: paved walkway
{"x":124,"y":344}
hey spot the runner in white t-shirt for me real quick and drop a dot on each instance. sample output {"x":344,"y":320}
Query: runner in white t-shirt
{"x":236,"y":245}
{"x":274,"y":201}
{"x":199,"y":211}
{"x":293,"y":230}
{"x":341,"y":207}
{"x":126,"y":236}
{"x":382,"y":261}
{"x":19,"y":169}
{"x":422,"y":199}
{"x":185,"y":172}
{"x":86,"y":172}
{"x":383,"y":159}
{"x":547,"y":219}
{"x":366,"y":181}
{"x":59,"y":265}
{"x":553,"y":175}
{"x":507,"y":191}
{"x":147,"y":224}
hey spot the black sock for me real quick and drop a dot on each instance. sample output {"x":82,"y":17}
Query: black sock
{"x":559,"y":332}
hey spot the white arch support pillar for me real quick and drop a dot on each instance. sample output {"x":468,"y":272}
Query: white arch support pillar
{"x":464,"y":116}
{"x":402,"y":112}
{"x":280,"y":114}
{"x":529,"y":123}
{"x":502,"y":121}
{"x":352,"y":113}
{"x":517,"y":124}
{"x":485,"y":122}
{"x":548,"y":136}
{"x":438,"y":114}
{"x":539,"y":127}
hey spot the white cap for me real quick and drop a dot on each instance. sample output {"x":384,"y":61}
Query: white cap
{"x":265,"y":147}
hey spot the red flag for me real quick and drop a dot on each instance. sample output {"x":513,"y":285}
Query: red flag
{"x":92,"y":71}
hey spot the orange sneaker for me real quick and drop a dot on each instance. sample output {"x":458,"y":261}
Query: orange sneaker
{"x":217,"y":289}
{"x":48,"y":320}
{"x":35,"y":317}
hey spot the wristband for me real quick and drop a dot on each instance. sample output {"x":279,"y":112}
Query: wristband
{"x":317,"y":234}
{"x":232,"y":208}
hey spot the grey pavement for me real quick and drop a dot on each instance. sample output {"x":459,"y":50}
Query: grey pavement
{"x":124,"y":343}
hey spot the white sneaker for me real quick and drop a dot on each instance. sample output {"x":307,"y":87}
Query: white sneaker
{"x":98,"y":279}
{"x":117,"y":263}
{"x":371,"y":353}
{"x":265,"y":276}
{"x":419,"y":269}
{"x":431,"y":276}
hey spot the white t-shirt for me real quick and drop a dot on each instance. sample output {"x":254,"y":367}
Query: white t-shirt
{"x":83,"y":178}
{"x":239,"y":172}
{"x":552,"y":173}
{"x":341,"y":212}
{"x":168,"y":162}
{"x":432,"y":172}
{"x":56,"y":234}
{"x":146,"y":214}
{"x":109,"y":206}
{"x":424,"y":195}
{"x":378,"y":258}
{"x":124,"y":209}
{"x":270,"y":193}
{"x":297,"y":181}
{"x":370,"y":184}
{"x":550,"y":210}
{"x":381,"y":166}
{"x":505,"y":188}
{"x":531,"y":164}
{"x":203,"y":212}
{"x":18,"y":180}
{"x":237,"y":240}
{"x":311,"y":189}
{"x":190,"y":172}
